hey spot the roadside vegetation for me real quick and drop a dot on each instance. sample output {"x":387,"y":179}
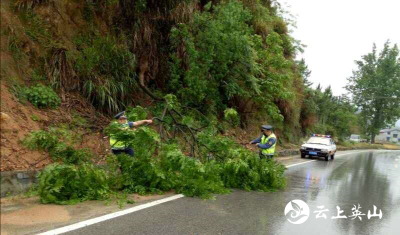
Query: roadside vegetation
{"x":352,"y":145}
{"x":157,"y":167}
{"x":200,"y":68}
{"x":215,"y":56}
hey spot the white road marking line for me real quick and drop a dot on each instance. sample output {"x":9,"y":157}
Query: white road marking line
{"x":336,"y":155}
{"x":300,"y":163}
{"x":136,"y":208}
{"x":110,"y":216}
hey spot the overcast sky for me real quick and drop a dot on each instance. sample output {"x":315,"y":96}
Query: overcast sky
{"x":338,"y":32}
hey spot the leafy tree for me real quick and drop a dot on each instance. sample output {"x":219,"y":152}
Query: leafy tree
{"x":342,"y":116}
{"x":375,"y":87}
{"x":222,"y":57}
{"x":219,"y":61}
{"x":322,"y":112}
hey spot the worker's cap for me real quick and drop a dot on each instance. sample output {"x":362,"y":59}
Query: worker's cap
{"x":266,"y":127}
{"x":120,"y":115}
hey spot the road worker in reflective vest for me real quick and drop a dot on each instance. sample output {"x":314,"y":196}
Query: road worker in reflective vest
{"x":266,"y":142}
{"x":119,"y":147}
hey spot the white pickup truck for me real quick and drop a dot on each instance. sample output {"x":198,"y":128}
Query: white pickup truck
{"x":319,"y":146}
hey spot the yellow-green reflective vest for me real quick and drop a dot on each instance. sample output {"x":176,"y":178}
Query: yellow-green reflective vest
{"x":118,"y":144}
{"x":271,"y":150}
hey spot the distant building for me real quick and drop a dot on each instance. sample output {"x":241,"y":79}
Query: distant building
{"x":389,"y":136}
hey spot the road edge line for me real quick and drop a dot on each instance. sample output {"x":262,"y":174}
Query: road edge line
{"x":96,"y":220}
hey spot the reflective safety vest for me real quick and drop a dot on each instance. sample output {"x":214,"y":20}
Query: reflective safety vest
{"x":270,"y":150}
{"x":118,"y":144}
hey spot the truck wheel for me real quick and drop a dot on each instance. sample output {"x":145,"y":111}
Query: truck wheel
{"x":333,"y":156}
{"x":327,"y":158}
{"x":303,"y":155}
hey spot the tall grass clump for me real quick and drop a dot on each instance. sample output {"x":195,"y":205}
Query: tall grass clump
{"x":106,"y":69}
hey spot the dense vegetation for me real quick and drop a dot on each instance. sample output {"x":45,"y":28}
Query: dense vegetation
{"x":334,"y":115}
{"x":155,"y":168}
{"x":213,"y":55}
{"x":205,"y":67}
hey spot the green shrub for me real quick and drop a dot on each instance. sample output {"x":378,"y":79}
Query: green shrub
{"x":174,"y":170}
{"x":41,"y":140}
{"x":69,"y":184}
{"x":232,"y":117}
{"x":346,"y":143}
{"x":42,"y":96}
{"x":250,"y":173}
{"x":69,"y":154}
{"x":53,"y":142}
{"x":142,"y":174}
{"x":190,"y":176}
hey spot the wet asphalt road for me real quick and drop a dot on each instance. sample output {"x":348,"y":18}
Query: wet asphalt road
{"x":368,"y":179}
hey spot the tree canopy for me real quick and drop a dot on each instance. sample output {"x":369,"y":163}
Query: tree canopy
{"x":375,"y":87}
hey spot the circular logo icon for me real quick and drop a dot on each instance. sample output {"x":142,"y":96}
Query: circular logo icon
{"x":297,"y":211}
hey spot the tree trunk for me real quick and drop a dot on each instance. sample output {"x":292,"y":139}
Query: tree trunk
{"x":373,"y":138}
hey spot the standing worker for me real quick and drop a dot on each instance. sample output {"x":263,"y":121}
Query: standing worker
{"x":119,"y":147}
{"x":266,"y":142}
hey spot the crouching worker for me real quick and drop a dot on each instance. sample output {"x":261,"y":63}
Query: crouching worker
{"x":266,"y":142}
{"x":119,"y":147}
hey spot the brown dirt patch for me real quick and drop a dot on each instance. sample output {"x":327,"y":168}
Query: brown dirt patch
{"x":36,"y":215}
{"x":17,"y":122}
{"x":28,"y":216}
{"x":391,"y":146}
{"x":19,"y":119}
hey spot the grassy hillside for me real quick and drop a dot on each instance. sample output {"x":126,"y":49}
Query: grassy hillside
{"x":229,"y":65}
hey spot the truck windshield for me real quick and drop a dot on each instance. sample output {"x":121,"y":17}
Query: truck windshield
{"x":318,"y":140}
